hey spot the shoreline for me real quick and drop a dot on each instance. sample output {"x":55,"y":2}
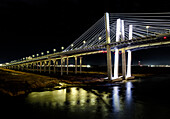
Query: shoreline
{"x":15,"y":83}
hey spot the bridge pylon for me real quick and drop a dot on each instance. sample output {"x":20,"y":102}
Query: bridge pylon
{"x":109,"y":60}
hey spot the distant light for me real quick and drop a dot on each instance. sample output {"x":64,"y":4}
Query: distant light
{"x":42,"y":53}
{"x":100,"y":38}
{"x":0,"y":64}
{"x":62,"y":48}
{"x":33,"y":55}
{"x":72,"y":45}
{"x":88,"y":66}
{"x":37,"y":55}
{"x":84,"y":41}
{"x":48,"y":52}
{"x":165,"y":37}
{"x":54,"y":50}
{"x":147,"y":27}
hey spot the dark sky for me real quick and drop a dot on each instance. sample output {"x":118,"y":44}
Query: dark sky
{"x":28,"y":27}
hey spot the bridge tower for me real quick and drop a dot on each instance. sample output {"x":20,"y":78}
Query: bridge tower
{"x":129,"y":53}
{"x":109,"y":60}
{"x":123,"y":51}
{"x":116,"y":61}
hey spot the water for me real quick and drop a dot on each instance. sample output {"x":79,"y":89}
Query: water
{"x":127,"y":101}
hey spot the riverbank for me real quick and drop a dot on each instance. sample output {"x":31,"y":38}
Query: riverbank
{"x":16,"y":83}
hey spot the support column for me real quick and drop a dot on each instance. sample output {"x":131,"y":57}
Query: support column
{"x":75,"y":64}
{"x":129,"y":53}
{"x":67,"y":65}
{"x":123,"y":51}
{"x":129,"y":64}
{"x":18,"y":67}
{"x":61,"y":65}
{"x":44,"y":66}
{"x":81,"y":64}
{"x":56,"y":66}
{"x":116,"y":61}
{"x":109,"y":60}
{"x":26,"y":66}
{"x":49,"y":66}
{"x":22,"y":67}
{"x":37,"y":66}
{"x":40,"y":66}
{"x":54,"y":62}
{"x":33,"y":66}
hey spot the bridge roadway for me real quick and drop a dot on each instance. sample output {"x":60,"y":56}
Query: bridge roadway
{"x":43,"y":61}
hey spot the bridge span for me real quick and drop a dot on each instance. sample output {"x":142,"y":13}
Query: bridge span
{"x":125,"y":32}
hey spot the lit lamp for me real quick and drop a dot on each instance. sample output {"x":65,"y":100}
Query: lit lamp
{"x":147,"y":27}
{"x":48,"y":52}
{"x":37,"y":55}
{"x":84,"y":41}
{"x":33,"y":55}
{"x":54,"y":50}
{"x":62,"y":48}
{"x":42,"y":53}
{"x":100,"y":38}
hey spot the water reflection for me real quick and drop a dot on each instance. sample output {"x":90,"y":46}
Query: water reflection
{"x":116,"y":102}
{"x":88,"y":103}
{"x":129,"y":92}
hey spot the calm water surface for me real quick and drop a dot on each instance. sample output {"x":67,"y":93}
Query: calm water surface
{"x":117,"y":102}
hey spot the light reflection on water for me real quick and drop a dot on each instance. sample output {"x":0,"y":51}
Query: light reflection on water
{"x":88,"y":103}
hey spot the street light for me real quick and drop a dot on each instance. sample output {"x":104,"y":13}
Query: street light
{"x":42,"y":53}
{"x":54,"y":50}
{"x":48,"y":52}
{"x":62,"y":48}
{"x":33,"y":55}
{"x":100,"y":38}
{"x":147,"y":27}
{"x":84,"y":41}
{"x":37,"y":55}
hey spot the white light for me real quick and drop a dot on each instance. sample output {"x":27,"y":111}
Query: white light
{"x":48,"y":52}
{"x":100,"y":38}
{"x":118,"y":30}
{"x":33,"y":55}
{"x":88,"y":66}
{"x":84,"y":41}
{"x":147,"y":27}
{"x":72,"y":45}
{"x":62,"y":48}
{"x":129,"y":64}
{"x":54,"y":50}
{"x":37,"y":55}
{"x":42,"y":53}
{"x":116,"y":64}
{"x":130,"y":31}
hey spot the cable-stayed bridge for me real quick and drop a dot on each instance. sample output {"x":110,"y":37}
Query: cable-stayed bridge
{"x":125,"y":32}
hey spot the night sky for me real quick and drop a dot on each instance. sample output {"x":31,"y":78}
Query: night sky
{"x":29,"y":27}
